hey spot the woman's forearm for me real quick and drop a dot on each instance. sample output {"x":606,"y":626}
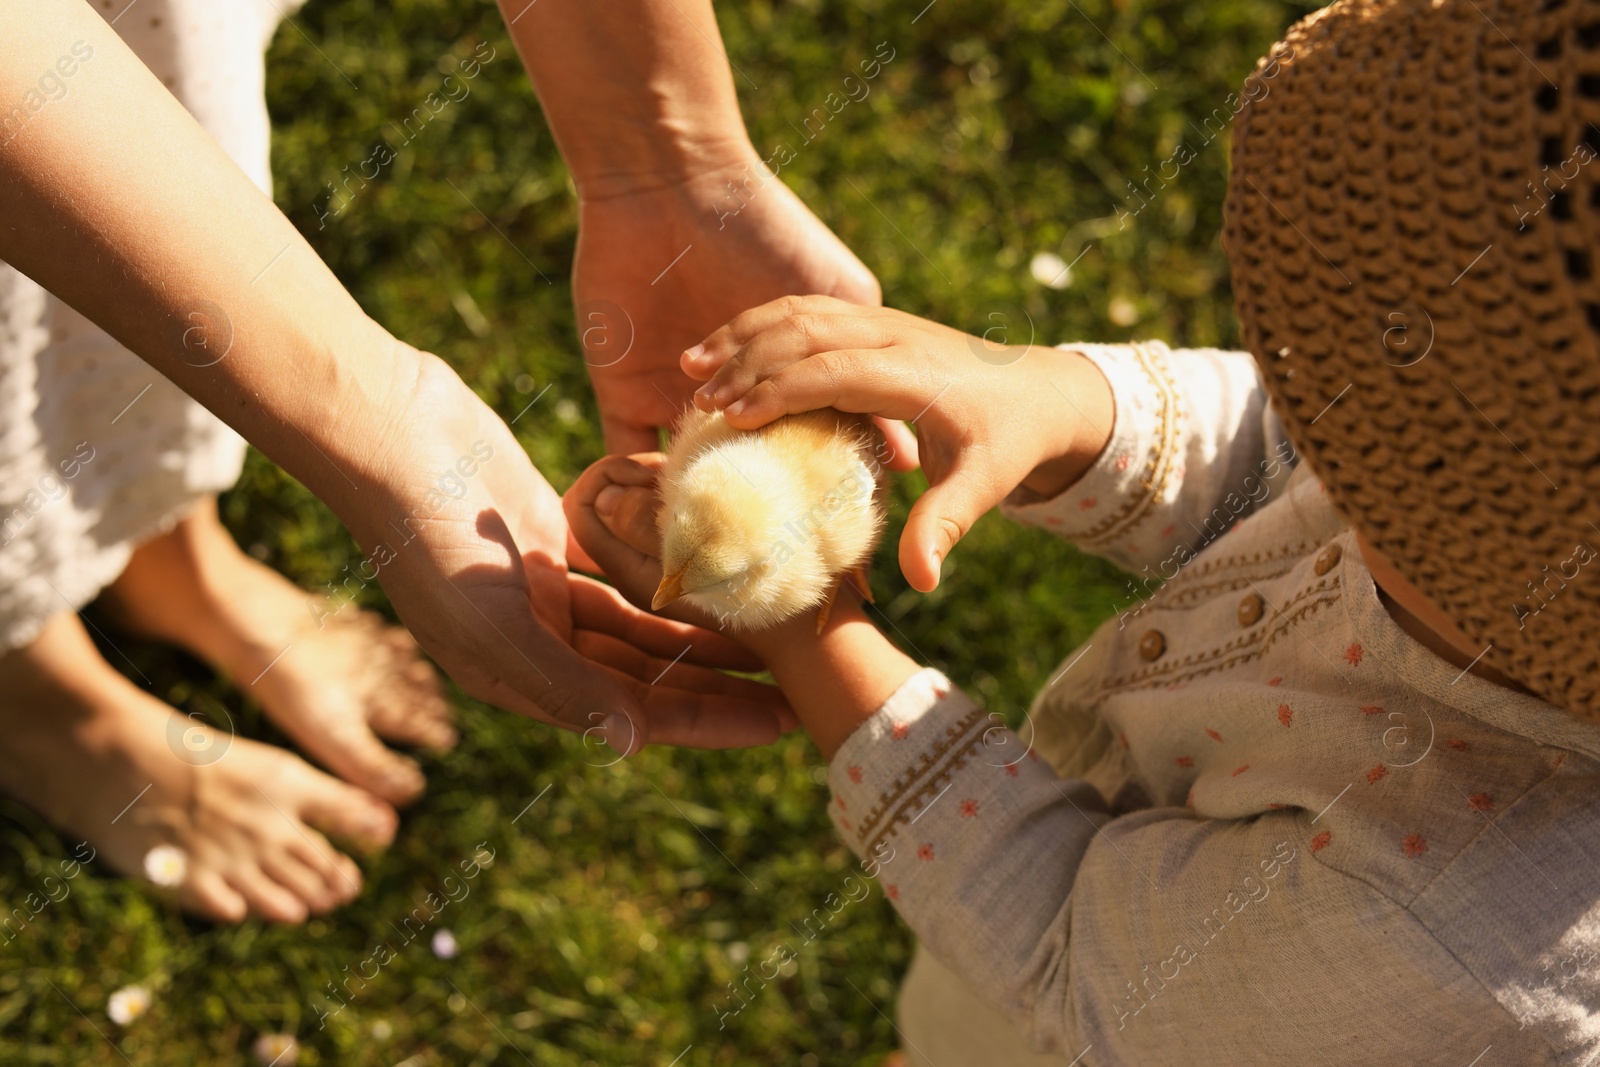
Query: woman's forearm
{"x":637,"y":92}
{"x":113,"y":198}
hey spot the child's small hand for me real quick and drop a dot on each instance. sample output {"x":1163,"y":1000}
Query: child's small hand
{"x":988,"y":417}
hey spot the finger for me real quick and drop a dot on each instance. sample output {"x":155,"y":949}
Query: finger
{"x":633,"y":571}
{"x":869,"y":381}
{"x":900,"y":445}
{"x":701,"y":361}
{"x":940,"y":518}
{"x":794,"y":340}
{"x":674,"y":671}
{"x":630,"y":514}
{"x":694,"y":720}
{"x":601,"y":609}
{"x":577,"y":558}
{"x":534,"y":672}
{"x":623,"y":437}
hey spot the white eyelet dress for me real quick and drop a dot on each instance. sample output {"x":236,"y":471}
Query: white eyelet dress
{"x":98,"y":451}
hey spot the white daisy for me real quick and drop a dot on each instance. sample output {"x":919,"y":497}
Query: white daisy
{"x":166,"y":866}
{"x":1050,"y":270}
{"x":127,"y":1004}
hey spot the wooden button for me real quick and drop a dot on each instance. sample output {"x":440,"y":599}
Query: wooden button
{"x":1152,"y":644}
{"x":1328,"y":559}
{"x":1250,"y":609}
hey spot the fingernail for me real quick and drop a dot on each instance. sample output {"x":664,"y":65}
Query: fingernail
{"x":605,"y":501}
{"x":735,"y":408}
{"x":694,"y":353}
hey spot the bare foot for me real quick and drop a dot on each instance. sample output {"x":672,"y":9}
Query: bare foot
{"x":332,"y":677}
{"x":109,"y":764}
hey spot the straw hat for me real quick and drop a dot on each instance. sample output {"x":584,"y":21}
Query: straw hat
{"x":1412,"y":224}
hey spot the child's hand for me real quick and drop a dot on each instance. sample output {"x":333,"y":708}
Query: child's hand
{"x":988,"y":417}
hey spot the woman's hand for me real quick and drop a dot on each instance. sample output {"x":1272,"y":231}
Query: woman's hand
{"x":988,"y":417}
{"x":660,"y":266}
{"x":470,"y":543}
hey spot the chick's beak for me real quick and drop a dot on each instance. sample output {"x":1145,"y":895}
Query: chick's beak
{"x":670,"y":589}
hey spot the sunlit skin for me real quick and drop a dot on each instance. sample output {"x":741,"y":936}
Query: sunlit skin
{"x":1036,"y":417}
{"x":117,"y":201}
{"x":836,"y":680}
{"x":365,"y":421}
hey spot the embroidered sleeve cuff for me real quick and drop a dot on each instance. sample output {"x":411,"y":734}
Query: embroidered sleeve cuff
{"x":951,"y":814}
{"x":1106,"y":511}
{"x":897,"y":760}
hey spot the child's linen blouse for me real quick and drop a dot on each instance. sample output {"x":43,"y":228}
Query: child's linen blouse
{"x":1251,"y":820}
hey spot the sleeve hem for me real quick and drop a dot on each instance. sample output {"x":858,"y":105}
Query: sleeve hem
{"x":1108,"y":499}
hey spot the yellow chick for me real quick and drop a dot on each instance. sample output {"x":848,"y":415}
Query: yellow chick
{"x":759,"y":526}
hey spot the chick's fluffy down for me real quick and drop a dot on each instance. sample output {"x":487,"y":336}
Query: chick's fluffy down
{"x":758,"y":526}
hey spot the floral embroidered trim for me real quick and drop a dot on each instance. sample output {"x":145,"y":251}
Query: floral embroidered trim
{"x":1163,"y":456}
{"x":948,"y":754}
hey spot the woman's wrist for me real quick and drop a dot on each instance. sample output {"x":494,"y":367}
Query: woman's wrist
{"x":638,"y":93}
{"x":651,"y":160}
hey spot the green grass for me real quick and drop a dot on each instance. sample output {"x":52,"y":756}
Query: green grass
{"x":623,"y":902}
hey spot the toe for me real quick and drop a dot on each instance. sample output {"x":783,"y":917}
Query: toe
{"x":267,"y":899}
{"x":353,"y":752}
{"x":347,"y":812}
{"x":408,"y":721}
{"x":408,"y":702}
{"x":338,"y":872}
{"x":305,"y":882}
{"x":209,"y":894}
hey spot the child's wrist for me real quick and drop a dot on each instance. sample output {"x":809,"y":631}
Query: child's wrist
{"x":1077,"y":413}
{"x":837,"y":680}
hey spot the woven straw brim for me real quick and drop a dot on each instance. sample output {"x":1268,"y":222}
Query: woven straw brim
{"x":1411,"y":222}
